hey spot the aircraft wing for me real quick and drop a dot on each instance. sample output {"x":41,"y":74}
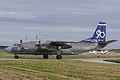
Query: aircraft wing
{"x":62,"y":44}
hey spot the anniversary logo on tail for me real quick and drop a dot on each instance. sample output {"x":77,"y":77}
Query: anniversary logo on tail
{"x":59,"y":48}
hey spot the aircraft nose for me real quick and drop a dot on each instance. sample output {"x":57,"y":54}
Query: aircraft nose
{"x":8,"y":49}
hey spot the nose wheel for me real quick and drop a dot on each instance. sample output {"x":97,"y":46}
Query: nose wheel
{"x":16,"y":56}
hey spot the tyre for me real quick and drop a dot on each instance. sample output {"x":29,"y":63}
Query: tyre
{"x":45,"y":56}
{"x":58,"y":57}
{"x":16,"y":57}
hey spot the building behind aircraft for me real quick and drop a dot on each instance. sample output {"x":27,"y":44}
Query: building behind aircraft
{"x":59,"y":48}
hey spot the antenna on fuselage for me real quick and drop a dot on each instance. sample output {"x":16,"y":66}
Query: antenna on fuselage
{"x":26,"y":37}
{"x":36,"y":37}
{"x":21,"y":41}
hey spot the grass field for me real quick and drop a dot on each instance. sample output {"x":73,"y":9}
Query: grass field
{"x":57,"y":69}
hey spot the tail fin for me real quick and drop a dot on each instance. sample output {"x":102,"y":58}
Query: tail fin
{"x":99,"y":34}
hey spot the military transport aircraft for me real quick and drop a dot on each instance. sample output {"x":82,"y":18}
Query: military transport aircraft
{"x":59,"y":48}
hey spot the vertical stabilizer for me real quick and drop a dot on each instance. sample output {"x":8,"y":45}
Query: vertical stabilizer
{"x":99,"y":34}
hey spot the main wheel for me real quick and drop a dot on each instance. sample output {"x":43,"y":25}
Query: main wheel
{"x":58,"y":57}
{"x":45,"y":56}
{"x":16,"y":56}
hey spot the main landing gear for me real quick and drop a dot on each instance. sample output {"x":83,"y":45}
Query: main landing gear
{"x":58,"y":49}
{"x":58,"y":57}
{"x":45,"y":56}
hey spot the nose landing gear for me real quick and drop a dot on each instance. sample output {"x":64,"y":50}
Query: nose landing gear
{"x":16,"y":56}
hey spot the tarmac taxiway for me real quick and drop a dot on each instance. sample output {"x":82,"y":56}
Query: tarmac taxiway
{"x":98,"y":60}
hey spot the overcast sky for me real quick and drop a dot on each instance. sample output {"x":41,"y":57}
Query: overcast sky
{"x":70,"y":20}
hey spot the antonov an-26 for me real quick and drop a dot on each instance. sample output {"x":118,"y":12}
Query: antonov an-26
{"x":59,"y":48}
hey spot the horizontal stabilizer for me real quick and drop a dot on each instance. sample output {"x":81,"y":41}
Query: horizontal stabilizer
{"x":110,"y":41}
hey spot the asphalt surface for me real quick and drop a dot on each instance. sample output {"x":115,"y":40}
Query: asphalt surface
{"x":98,"y":60}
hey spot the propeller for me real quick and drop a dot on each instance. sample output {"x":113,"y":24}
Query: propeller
{"x":36,"y":37}
{"x":39,"y":45}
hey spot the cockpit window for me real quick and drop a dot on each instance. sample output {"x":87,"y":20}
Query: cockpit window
{"x":17,"y":45}
{"x":14,"y":44}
